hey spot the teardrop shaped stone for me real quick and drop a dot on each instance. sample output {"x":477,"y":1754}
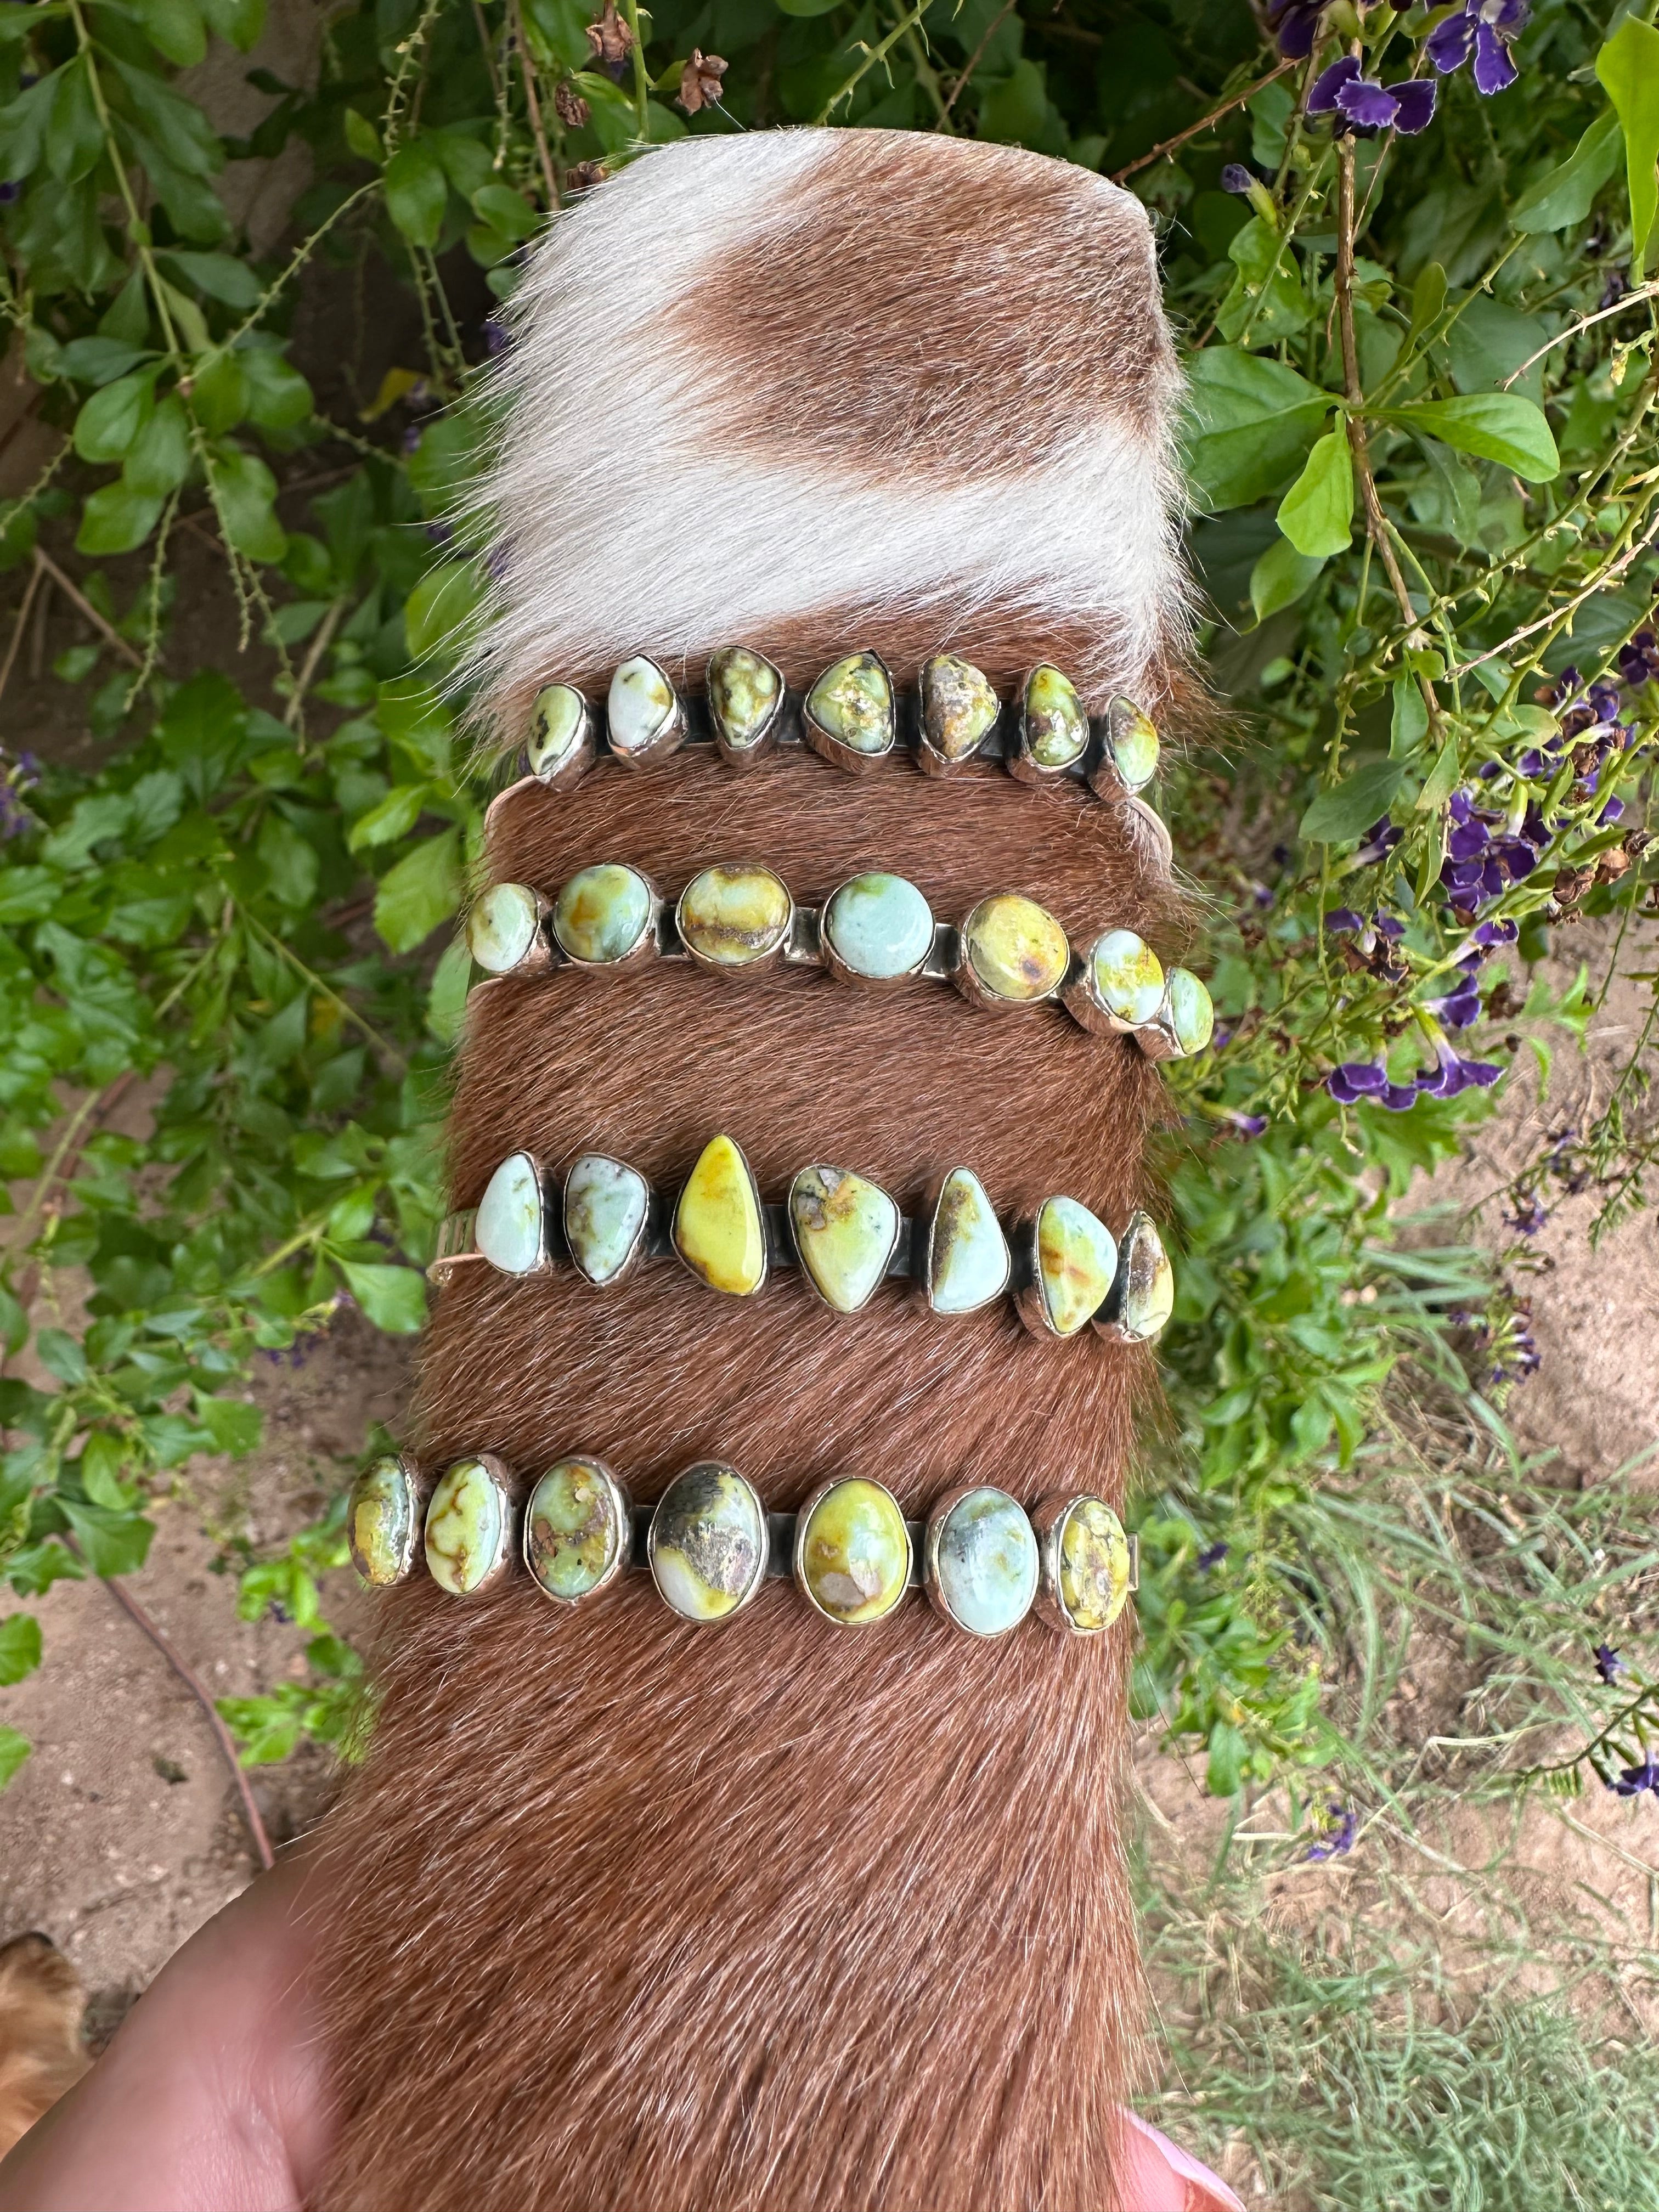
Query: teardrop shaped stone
{"x":1016,"y":948}
{"x":880,"y":926}
{"x":958,"y":706}
{"x":638,"y":706}
{"x":1128,"y":975}
{"x":852,"y":699}
{"x":743,"y":691}
{"x":853,"y":1553}
{"x":508,"y":1229}
{"x":502,"y":927}
{"x":466,"y":1524}
{"x":382,"y":1523}
{"x":573,"y":1529}
{"x":717,"y":1228}
{"x":1094,"y":1567}
{"x":733,"y":916}
{"x":1142,"y":1296}
{"x":985,"y":1562}
{"x":604,"y":1209}
{"x":1076,"y":1259}
{"x":1056,"y":727}
{"x":1192,"y":1012}
{"x":1133,"y":738}
{"x":968,"y":1257}
{"x":708,"y":1544}
{"x":845,"y":1229}
{"x":602,"y":913}
{"x":556,"y":724}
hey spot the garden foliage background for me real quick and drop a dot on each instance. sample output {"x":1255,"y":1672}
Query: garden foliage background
{"x":1419,"y":337}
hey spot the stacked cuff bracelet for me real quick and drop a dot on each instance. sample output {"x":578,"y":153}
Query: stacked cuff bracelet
{"x":709,"y":1543}
{"x":875,"y":929}
{"x":1063,"y":1266}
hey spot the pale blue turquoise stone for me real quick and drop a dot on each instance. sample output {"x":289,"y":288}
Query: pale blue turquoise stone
{"x":985,"y":1562}
{"x":968,"y":1257}
{"x":508,"y":1230}
{"x":1192,"y":1016}
{"x":604,"y":1209}
{"x":602,"y":913}
{"x":502,"y":927}
{"x":880,"y":926}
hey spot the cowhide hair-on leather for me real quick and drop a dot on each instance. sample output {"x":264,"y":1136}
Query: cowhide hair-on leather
{"x":623,"y":1913}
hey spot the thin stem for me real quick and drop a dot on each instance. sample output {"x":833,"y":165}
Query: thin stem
{"x":78,"y":599}
{"x":532,"y":103}
{"x":20,"y":624}
{"x":871,"y":56}
{"x":1205,"y":123}
{"x":641,"y":81}
{"x":295,"y":716}
{"x":287,"y":952}
{"x":977,"y":55}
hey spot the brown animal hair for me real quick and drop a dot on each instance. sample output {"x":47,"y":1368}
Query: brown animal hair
{"x":626,"y":1913}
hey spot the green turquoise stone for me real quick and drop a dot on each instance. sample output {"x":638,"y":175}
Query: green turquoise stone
{"x":1056,"y":727}
{"x":1142,"y":1296}
{"x":853,"y":1554}
{"x":602,"y":913}
{"x":604,"y":1209}
{"x":743,"y":691}
{"x":879,"y":927}
{"x":845,"y":1229}
{"x":382,"y":1523}
{"x":1191,"y":1015}
{"x":639,"y":705}
{"x":555,"y":725}
{"x":733,"y":916}
{"x":1094,"y":1567}
{"x":968,"y":1257}
{"x":574,"y":1530}
{"x":853,"y":702}
{"x":1016,"y":948}
{"x":708,"y":1544}
{"x":985,"y":1563}
{"x":958,"y":706}
{"x":1076,"y":1259}
{"x":1128,"y":976}
{"x":1135,"y":743}
{"x":508,"y":1230}
{"x":466,"y":1524}
{"x":502,"y":927}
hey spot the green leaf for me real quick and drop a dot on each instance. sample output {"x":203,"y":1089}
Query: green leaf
{"x":1428,"y":297}
{"x":245,"y":493}
{"x":219,"y":275}
{"x":1279,"y":578}
{"x":1317,"y":514}
{"x":102,"y":1463}
{"x":100,"y":360}
{"x":74,"y":137}
{"x":417,"y":191}
{"x":290,"y":862}
{"x":158,"y":459}
{"x":421,"y":891}
{"x":1628,"y":66}
{"x":393,"y":1298}
{"x":1442,"y":779}
{"x":114,"y":1543}
{"x":278,"y":397}
{"x":1349,"y":808}
{"x":1250,"y":422}
{"x":394,"y":818}
{"x":1268,"y":295}
{"x":362,"y":138}
{"x":235,"y":1425}
{"x":1409,"y":722}
{"x":219,"y":394}
{"x":117,"y":520}
{"x":110,"y":421}
{"x":14,"y":1750}
{"x":1565,"y":197}
{"x":1495,"y":426}
{"x":506,"y":210}
{"x":467,"y":159}
{"x":441,"y":607}
{"x":240,"y":21}
{"x":174,"y":28}
{"x":20,"y":1647}
{"x":1228,"y":1751}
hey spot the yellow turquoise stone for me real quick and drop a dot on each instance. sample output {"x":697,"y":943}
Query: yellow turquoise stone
{"x":380,"y":1522}
{"x":968,"y":1257}
{"x":845,"y":1229}
{"x":1094,"y":1566}
{"x":465,"y":1527}
{"x":1135,"y":743}
{"x":1077,"y":1258}
{"x":1192,"y":1016}
{"x":707,"y":1543}
{"x":853,"y":702}
{"x":1016,"y":948}
{"x":958,"y":706}
{"x":717,"y":1228}
{"x":573,"y":1529}
{"x":731,"y":916}
{"x":1056,"y":727}
{"x":602,"y":913}
{"x":853,"y":1553}
{"x":556,"y":724}
{"x":743,"y":690}
{"x":1126,"y":974}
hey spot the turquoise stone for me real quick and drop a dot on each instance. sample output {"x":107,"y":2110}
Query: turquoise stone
{"x":845,"y":1229}
{"x":983,"y":1559}
{"x":381,"y":1521}
{"x":958,"y":706}
{"x":575,"y":1528}
{"x":1056,"y":727}
{"x":604,"y":1209}
{"x":853,"y":701}
{"x":708,"y":1542}
{"x":968,"y":1257}
{"x":852,"y":1552}
{"x":601,"y":915}
{"x":1142,"y":1296}
{"x":640,"y":706}
{"x":743,"y":691}
{"x":731,"y":917}
{"x":1076,"y":1261}
{"x":508,"y":1230}
{"x":466,"y":1528}
{"x":1127,"y":975}
{"x":1135,"y":743}
{"x":502,"y":927}
{"x":879,"y":927}
{"x":1192,"y":1016}
{"x":555,"y":726}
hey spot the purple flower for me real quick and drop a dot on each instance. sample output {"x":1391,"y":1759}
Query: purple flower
{"x":1322,"y":100}
{"x":1451,"y":43}
{"x":1295,"y":25}
{"x":1236,"y":178}
{"x":1458,"y":1010}
{"x":1342,"y":1827}
{"x":1493,"y":70}
{"x":1380,"y":839}
{"x":1246,"y":1124}
{"x":1356,"y":1080}
{"x":1486,"y":29}
{"x":1343,"y":917}
{"x":1529,"y":1215}
{"x":1635,"y":1779}
{"x":1469,"y":840}
{"x":1613,"y":811}
{"x":1389,"y":925}
{"x":1497,"y":932}
{"x":1451,"y":1074}
{"x":1609,"y":1665}
{"x":495,"y":337}
{"x":9,"y":191}
{"x":1414,"y":103}
{"x":1343,"y":89}
{"x":1212,"y":1556}
{"x":1399,"y":1097}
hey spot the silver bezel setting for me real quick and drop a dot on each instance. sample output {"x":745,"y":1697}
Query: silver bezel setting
{"x":543,"y":1263}
{"x":1030,"y":1301}
{"x":622,"y":1507}
{"x":642,"y":1235}
{"x":1139,"y":1238}
{"x":538,"y":955}
{"x":742,"y":756}
{"x":932,"y":761}
{"x":837,"y":966}
{"x":414,"y":1545}
{"x":1081,"y":998}
{"x":1022,"y":763}
{"x":797,"y":1559}
{"x":759,"y":960}
{"x":832,"y":748}
{"x":932,"y":1538}
{"x":821,"y":1167}
{"x":972,"y":985}
{"x":501,"y":1482}
{"x":760,"y":1207}
{"x":667,"y":737}
{"x":578,"y":757}
{"x":718,"y":1620}
{"x":1048,"y":1519}
{"x":643,"y":946}
{"x":929,"y":1230}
